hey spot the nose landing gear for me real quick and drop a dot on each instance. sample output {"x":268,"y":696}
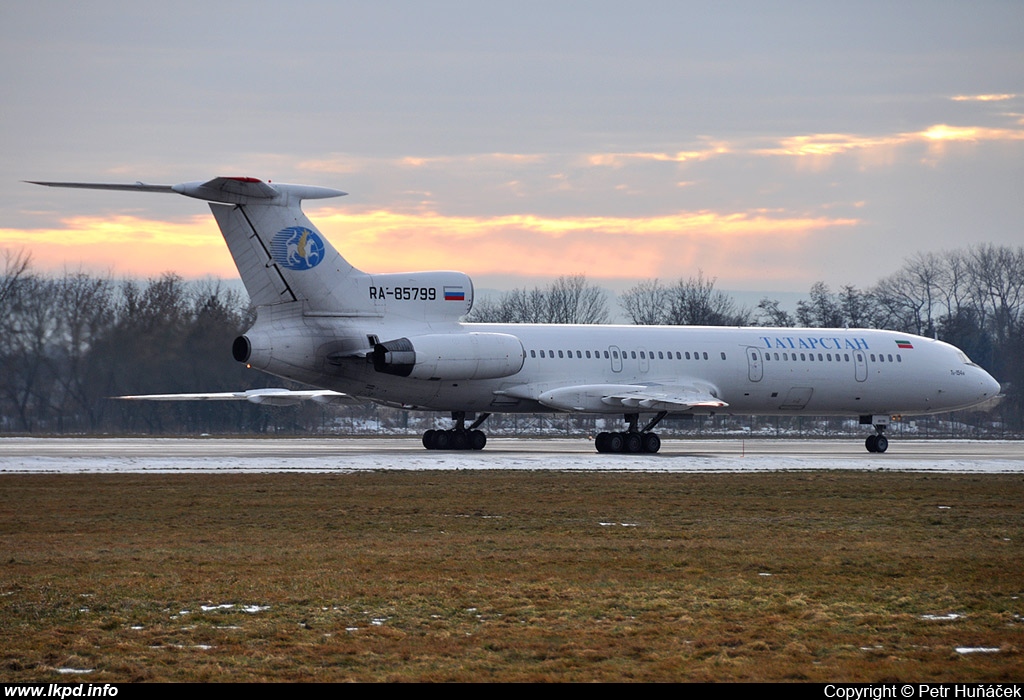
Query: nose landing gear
{"x":877,"y":442}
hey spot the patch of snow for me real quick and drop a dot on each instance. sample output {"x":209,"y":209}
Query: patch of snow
{"x":978,"y":650}
{"x":943,"y":618}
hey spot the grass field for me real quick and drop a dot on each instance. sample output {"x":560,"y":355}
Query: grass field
{"x":512,"y":576}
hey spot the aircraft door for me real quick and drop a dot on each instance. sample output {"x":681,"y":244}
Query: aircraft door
{"x":616,"y":357}
{"x":860,"y":366}
{"x":755,"y":368}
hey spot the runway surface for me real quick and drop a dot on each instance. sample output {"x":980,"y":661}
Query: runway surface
{"x":343,"y":454}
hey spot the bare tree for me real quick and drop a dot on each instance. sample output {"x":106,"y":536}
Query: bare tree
{"x":771,"y":315}
{"x":572,"y":300}
{"x":646,"y":304}
{"x":569,"y":299}
{"x":822,"y":310}
{"x":16,"y":265}
{"x":695,"y":301}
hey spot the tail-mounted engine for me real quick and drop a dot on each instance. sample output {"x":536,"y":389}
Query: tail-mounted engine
{"x":451,"y":356}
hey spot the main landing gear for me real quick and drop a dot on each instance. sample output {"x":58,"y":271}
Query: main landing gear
{"x":877,"y":442}
{"x":460,"y":437}
{"x":633,"y":440}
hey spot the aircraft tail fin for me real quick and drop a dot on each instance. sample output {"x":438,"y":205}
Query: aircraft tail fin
{"x":279,"y":253}
{"x":283,"y":258}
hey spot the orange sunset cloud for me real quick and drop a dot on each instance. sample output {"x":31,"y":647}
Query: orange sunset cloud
{"x":381,"y":240}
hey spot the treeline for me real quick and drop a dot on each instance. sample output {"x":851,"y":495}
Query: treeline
{"x":69,"y":343}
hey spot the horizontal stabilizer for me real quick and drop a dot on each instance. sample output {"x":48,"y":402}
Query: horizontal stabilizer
{"x":269,"y":397}
{"x":137,"y":187}
{"x":226,"y":190}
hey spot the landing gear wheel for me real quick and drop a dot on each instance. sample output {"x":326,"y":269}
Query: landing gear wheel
{"x":633,"y":443}
{"x":477,"y":439}
{"x":430,"y":439}
{"x":442,"y":440}
{"x":881,"y":444}
{"x":460,"y":440}
{"x":652,"y":443}
{"x":614,"y":442}
{"x":877,"y":443}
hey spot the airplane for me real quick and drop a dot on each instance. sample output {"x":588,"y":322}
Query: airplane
{"x":397,"y":339}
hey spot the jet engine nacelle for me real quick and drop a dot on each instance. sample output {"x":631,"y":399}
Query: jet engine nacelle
{"x":451,"y":356}
{"x":280,"y":341}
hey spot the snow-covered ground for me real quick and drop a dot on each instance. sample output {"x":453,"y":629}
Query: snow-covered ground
{"x":169,"y":455}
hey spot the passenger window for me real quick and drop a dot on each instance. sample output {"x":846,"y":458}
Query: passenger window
{"x":588,"y":354}
{"x":633,"y":354}
{"x":705,"y":356}
{"x":723,"y":355}
{"x":533,"y":353}
{"x":560,"y":353}
{"x":898,"y":358}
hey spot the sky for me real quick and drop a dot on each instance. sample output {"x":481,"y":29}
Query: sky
{"x":768,"y":145}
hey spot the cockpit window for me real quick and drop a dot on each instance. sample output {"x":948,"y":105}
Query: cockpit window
{"x":966,"y":360}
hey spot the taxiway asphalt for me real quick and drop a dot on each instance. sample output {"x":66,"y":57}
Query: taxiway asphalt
{"x":140,"y":455}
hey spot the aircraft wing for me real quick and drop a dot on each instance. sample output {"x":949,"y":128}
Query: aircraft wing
{"x":269,"y":397}
{"x":601,"y":398}
{"x":665,"y":397}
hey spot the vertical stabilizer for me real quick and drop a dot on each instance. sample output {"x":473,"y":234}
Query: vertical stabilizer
{"x":282,"y":257}
{"x":279,"y":253}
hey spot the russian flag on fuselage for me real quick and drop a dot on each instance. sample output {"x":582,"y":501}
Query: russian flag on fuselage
{"x":454,"y":293}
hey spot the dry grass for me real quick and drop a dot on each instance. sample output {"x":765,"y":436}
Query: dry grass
{"x":508,"y":575}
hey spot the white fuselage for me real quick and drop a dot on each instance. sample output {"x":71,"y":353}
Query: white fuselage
{"x":752,"y":370}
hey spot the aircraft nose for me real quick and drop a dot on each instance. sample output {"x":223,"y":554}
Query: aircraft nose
{"x":990,"y":385}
